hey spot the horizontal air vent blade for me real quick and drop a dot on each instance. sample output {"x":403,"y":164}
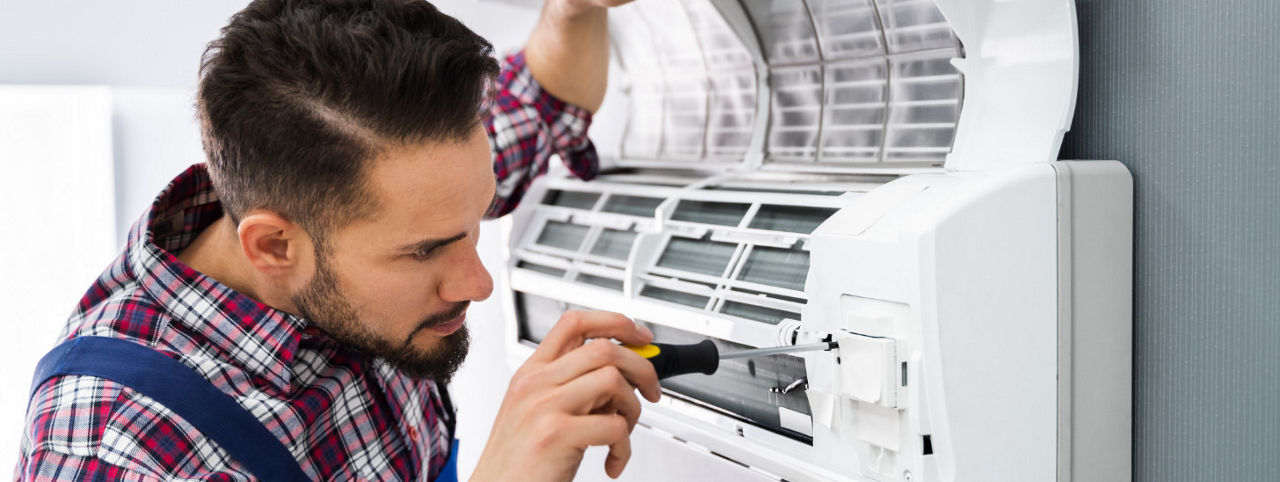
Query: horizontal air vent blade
{"x":678,"y":297}
{"x":709,"y":212}
{"x":544,"y":269}
{"x":772,"y":190}
{"x":697,"y":256}
{"x":771,"y":295}
{"x":758,"y":313}
{"x":792,"y":219}
{"x":559,"y":234}
{"x":632,"y":205}
{"x":751,"y":389}
{"x":571,"y":199}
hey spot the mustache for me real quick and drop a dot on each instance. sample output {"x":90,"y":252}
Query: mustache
{"x":439,"y":319}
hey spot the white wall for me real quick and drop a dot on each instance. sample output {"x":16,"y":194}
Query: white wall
{"x":146,"y":52}
{"x":55,"y":226}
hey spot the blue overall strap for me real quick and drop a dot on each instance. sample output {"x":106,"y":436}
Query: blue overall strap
{"x":449,"y":473}
{"x":180,"y":389}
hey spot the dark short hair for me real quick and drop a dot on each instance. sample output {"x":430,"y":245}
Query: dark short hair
{"x":296,"y":97}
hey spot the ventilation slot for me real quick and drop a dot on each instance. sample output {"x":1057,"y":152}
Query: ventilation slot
{"x":673,"y":296}
{"x":632,"y":205}
{"x":709,"y":258}
{"x":571,"y":199}
{"x":784,"y":268}
{"x":792,"y":219}
{"x":614,"y":243}
{"x":610,"y":283}
{"x":566,"y":236}
{"x":707,"y":212}
{"x":757,"y":313}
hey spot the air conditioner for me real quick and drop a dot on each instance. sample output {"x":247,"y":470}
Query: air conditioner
{"x":882,"y":173}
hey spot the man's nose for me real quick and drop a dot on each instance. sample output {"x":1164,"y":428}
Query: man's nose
{"x":467,"y":280}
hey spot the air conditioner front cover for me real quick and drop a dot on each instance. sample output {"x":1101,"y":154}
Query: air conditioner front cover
{"x":845,"y":85}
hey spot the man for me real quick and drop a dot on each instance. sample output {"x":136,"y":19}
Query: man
{"x":318,"y":269}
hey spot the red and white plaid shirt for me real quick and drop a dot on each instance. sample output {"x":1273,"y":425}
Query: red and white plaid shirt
{"x":342,"y":415}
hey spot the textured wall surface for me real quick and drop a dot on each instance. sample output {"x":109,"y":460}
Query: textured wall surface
{"x":1185,"y":94}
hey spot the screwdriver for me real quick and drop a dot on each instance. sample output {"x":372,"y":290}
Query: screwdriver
{"x":703,"y":357}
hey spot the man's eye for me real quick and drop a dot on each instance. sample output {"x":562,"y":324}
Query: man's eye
{"x":423,"y":254}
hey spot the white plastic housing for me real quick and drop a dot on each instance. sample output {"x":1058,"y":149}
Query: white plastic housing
{"x":888,"y":182}
{"x":987,"y":312}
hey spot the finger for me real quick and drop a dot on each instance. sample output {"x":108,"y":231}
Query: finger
{"x":619,"y":455}
{"x":637,"y":371}
{"x":601,"y":391}
{"x":625,"y":403}
{"x":592,"y":430}
{"x":610,"y":3}
{"x":575,"y":327}
{"x":610,"y":430}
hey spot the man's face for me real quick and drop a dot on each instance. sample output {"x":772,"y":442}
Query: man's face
{"x":397,"y":284}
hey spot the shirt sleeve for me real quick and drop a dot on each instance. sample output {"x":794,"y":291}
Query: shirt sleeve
{"x":88,"y":428}
{"x":52,"y":465}
{"x":526,"y":126}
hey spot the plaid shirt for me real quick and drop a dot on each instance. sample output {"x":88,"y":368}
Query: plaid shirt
{"x":342,"y":415}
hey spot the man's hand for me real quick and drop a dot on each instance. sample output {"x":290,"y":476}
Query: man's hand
{"x":568,"y":52}
{"x":569,"y":396}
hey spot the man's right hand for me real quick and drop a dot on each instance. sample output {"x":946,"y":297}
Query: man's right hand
{"x":568,"y":396}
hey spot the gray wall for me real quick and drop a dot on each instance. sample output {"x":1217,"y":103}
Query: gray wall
{"x":1184,"y":93}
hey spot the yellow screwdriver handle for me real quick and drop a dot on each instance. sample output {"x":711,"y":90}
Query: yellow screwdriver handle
{"x":672,"y":360}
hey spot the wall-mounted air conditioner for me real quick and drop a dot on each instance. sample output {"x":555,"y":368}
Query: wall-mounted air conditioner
{"x":878,"y":172}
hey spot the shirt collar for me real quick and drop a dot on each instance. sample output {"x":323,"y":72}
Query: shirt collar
{"x":258,"y":338}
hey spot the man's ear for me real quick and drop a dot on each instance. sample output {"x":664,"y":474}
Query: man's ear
{"x":272,"y":244}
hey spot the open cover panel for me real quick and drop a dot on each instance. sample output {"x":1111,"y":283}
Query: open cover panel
{"x":692,"y":84}
{"x":845,"y":85}
{"x":824,"y":85}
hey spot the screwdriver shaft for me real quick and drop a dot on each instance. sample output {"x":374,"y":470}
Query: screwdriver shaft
{"x":759,"y":352}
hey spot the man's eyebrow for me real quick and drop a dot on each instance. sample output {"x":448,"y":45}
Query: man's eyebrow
{"x":430,"y":244}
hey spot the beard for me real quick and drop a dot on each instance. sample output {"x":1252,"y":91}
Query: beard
{"x":323,"y":303}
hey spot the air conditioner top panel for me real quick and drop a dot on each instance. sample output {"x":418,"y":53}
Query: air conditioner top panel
{"x":840,"y":86}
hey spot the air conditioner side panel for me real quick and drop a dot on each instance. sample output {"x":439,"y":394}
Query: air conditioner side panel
{"x":990,"y":328}
{"x":963,"y":273}
{"x":1100,"y":228}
